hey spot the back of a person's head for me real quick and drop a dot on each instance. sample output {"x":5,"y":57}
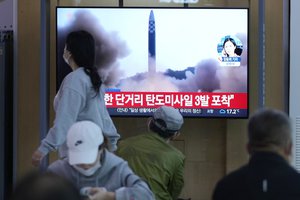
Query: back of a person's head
{"x":269,"y":129}
{"x":81,"y":44}
{"x":44,"y":186}
{"x":166,"y":121}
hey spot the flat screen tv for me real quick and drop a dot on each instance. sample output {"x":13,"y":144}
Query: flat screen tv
{"x":194,"y":59}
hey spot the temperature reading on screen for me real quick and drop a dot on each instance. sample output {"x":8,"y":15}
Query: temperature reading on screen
{"x":233,"y":111}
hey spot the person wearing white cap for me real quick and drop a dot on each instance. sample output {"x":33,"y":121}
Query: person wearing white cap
{"x":96,"y":172}
{"x":152,"y":157}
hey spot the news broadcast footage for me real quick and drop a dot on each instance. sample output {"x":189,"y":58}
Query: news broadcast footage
{"x":194,"y":59}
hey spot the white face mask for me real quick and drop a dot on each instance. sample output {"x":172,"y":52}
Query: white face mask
{"x":66,"y":55}
{"x":90,"y":171}
{"x":66,"y":59}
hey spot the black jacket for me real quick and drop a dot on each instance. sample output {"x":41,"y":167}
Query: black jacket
{"x":267,"y":176}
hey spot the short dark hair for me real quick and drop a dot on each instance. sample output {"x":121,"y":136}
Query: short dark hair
{"x":45,"y":186}
{"x":155,"y":125}
{"x":269,"y":127}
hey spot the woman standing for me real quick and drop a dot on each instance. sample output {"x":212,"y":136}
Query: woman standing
{"x":80,"y":97}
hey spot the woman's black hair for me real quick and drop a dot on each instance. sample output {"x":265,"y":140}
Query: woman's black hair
{"x":238,"y":51}
{"x":81,"y":45}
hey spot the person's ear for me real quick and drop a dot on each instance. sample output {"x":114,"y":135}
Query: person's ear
{"x":148,"y":122}
{"x":175,"y":135}
{"x":288,"y":149}
{"x":178,"y":133}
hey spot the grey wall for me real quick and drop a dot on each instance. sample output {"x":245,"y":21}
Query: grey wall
{"x":294,"y":78}
{"x":6,"y":10}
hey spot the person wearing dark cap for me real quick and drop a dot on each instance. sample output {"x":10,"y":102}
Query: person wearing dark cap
{"x":268,"y":174}
{"x":152,"y":157}
{"x":96,"y":172}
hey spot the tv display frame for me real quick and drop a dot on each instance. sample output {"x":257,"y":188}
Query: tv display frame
{"x":171,"y":56}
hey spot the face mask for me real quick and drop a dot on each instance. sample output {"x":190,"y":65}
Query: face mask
{"x":66,"y":59}
{"x":90,"y":171}
{"x":66,"y":55}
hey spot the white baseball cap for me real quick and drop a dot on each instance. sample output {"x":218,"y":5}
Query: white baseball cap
{"x":83,"y":141}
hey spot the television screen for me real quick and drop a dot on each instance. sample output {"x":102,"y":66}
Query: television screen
{"x":194,"y":59}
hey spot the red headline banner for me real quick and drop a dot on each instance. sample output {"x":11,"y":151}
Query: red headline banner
{"x":176,"y":99}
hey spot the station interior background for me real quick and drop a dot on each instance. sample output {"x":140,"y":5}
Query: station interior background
{"x":213,"y":147}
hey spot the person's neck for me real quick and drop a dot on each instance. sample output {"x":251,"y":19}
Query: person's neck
{"x":165,"y":139}
{"x":277,"y":151}
{"x":73,"y":65}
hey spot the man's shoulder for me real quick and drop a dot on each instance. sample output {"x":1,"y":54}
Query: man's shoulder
{"x":176,"y":152}
{"x":290,"y":175}
{"x":132,"y":140}
{"x":249,"y":180}
{"x":236,"y":176}
{"x":231,"y":185}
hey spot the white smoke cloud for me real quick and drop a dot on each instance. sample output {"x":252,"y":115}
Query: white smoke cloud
{"x":145,"y":82}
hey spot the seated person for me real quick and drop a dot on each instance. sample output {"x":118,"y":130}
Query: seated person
{"x":44,"y":186}
{"x":96,"y":172}
{"x":152,"y":157}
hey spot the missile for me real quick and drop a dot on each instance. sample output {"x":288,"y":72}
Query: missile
{"x":151,"y":44}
